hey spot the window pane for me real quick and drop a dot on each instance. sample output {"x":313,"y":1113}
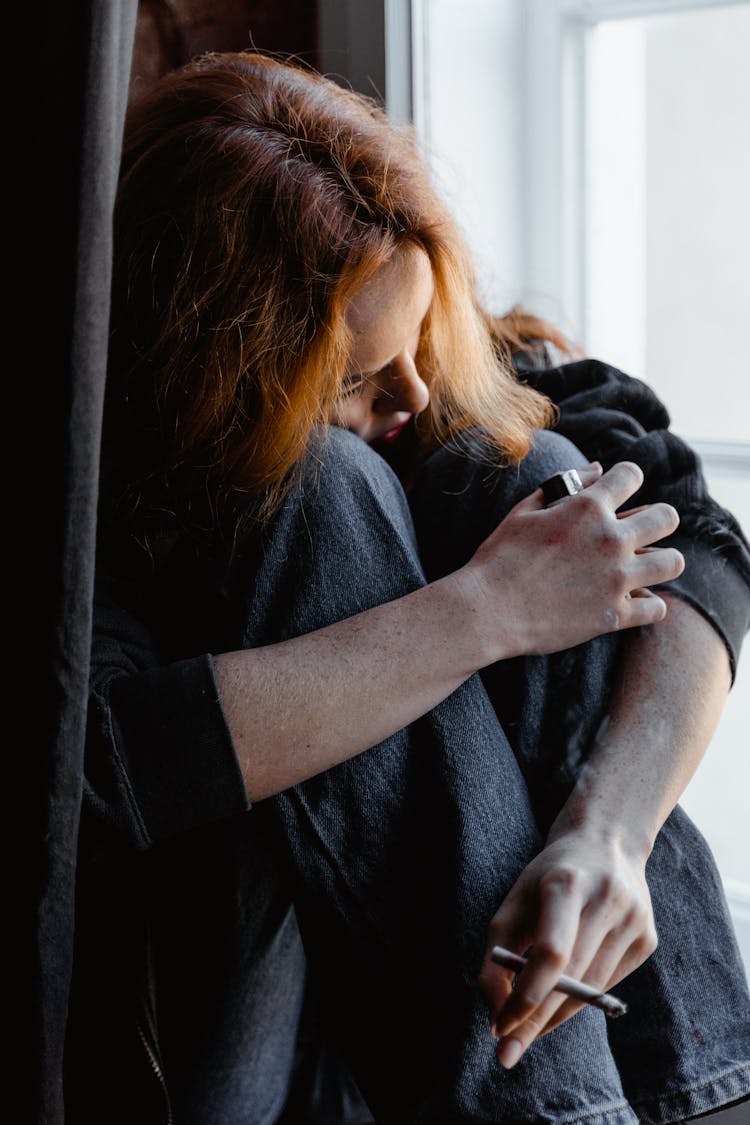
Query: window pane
{"x":668,"y":261}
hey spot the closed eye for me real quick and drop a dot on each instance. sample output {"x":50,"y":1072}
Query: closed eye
{"x":352,"y":384}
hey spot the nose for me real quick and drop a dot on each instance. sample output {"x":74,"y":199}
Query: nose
{"x":403,"y":388}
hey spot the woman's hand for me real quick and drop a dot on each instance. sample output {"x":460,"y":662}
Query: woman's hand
{"x":581,"y":907}
{"x":557,"y":577}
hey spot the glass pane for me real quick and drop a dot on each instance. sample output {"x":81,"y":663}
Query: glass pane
{"x":668,"y":183}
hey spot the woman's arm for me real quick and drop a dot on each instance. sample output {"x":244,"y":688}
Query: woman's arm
{"x":583,"y":903}
{"x":544,"y":581}
{"x":258,"y":720}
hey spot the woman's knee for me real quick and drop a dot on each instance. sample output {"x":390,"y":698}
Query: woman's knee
{"x":461,"y":495}
{"x":350,"y":499}
{"x":551,"y":453}
{"x":342,"y":542}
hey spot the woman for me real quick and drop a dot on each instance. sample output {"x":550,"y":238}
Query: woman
{"x":280,"y":622}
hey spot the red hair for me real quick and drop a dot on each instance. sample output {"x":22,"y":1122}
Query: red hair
{"x":255,"y":198}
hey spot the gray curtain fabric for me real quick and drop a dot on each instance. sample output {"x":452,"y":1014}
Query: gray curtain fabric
{"x":68,"y":68}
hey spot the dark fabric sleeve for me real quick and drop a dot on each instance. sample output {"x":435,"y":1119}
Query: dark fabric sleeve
{"x":613,"y":417}
{"x":159,"y":756}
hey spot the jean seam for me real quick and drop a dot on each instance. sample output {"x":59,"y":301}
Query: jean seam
{"x":597,"y":1115}
{"x":744,"y":1069}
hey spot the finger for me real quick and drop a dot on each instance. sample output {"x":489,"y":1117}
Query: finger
{"x":601,"y":958}
{"x":603,"y":935}
{"x":652,"y":523}
{"x":649,"y":568}
{"x":647,"y":608}
{"x":555,"y":933}
{"x":508,"y":928}
{"x":619,"y":483}
{"x":611,"y":965}
{"x":643,"y":592}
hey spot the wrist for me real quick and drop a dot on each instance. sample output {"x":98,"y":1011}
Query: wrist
{"x":492,"y":636}
{"x":587,"y":816}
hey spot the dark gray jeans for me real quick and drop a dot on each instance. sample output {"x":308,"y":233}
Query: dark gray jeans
{"x":366,"y":891}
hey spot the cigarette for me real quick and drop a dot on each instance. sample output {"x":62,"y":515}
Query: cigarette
{"x":608,"y":1003}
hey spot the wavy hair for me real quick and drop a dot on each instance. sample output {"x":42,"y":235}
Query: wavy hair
{"x":255,"y":198}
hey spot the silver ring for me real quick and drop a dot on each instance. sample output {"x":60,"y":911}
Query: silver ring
{"x":561,"y":486}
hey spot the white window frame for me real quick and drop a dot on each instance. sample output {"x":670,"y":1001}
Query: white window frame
{"x":556,"y":118}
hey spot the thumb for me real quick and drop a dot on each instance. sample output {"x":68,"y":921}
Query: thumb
{"x":508,"y":928}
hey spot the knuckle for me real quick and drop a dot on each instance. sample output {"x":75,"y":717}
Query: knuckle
{"x":529,"y":999}
{"x":646,"y":944}
{"x":565,"y":879}
{"x":612,"y":541}
{"x":590,"y":505}
{"x":650,"y":941}
{"x":532,"y":1027}
{"x":651,"y":946}
{"x":620,"y":578}
{"x":639,"y":912}
{"x":549,"y":951}
{"x":611,"y":620}
{"x":614,"y":893}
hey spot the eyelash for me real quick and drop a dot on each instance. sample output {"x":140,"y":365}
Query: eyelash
{"x":352,"y":385}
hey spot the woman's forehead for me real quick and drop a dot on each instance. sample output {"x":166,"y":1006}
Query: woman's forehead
{"x":391,"y":305}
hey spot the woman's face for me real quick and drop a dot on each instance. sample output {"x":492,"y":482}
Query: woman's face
{"x":382,"y":388}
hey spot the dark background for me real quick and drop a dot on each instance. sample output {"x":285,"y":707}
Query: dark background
{"x":170,"y":34}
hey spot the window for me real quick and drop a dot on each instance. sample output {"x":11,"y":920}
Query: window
{"x":595,"y":152}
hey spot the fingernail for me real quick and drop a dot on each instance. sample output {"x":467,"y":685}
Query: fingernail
{"x":509,"y":1052}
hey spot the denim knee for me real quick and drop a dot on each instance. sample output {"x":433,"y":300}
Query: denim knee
{"x":342,"y":475}
{"x":461,"y":496}
{"x":342,"y":542}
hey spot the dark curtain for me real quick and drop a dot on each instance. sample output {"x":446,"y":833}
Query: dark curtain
{"x":67,"y":68}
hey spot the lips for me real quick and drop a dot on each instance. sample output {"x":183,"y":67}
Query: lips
{"x":392,"y":434}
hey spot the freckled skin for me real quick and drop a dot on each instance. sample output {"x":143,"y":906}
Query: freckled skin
{"x":557,"y":538}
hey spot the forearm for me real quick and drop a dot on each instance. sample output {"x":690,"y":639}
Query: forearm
{"x":583,"y":903}
{"x":301,"y":706}
{"x":672,"y":688}
{"x":304,"y":705}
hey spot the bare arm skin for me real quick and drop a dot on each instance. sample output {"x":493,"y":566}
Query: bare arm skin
{"x":543,"y":581}
{"x":583,"y":902}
